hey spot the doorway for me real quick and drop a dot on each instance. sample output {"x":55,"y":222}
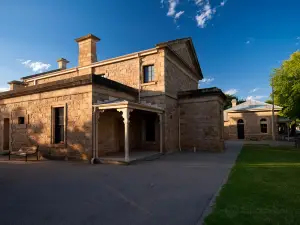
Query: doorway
{"x":240,"y":129}
{"x":6,"y":134}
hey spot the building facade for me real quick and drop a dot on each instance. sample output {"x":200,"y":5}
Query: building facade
{"x":148,"y":100}
{"x":251,"y":120}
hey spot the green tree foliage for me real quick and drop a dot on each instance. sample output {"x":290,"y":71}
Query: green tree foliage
{"x":229,"y":99}
{"x":286,"y":83}
{"x":269,"y":101}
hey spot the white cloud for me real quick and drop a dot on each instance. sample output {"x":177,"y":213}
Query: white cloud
{"x":205,"y":15}
{"x":207,"y":80}
{"x":2,"y":89}
{"x":178,"y":15}
{"x":255,"y":97}
{"x":35,"y":66}
{"x":172,"y":7}
{"x":253,"y":90}
{"x":231,"y":91}
{"x":249,"y":40}
{"x":298,"y":40}
{"x":199,"y":2}
{"x":223,"y":3}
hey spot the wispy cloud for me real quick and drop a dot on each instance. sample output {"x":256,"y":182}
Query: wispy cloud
{"x":35,"y":66}
{"x":254,"y":90}
{"x":258,"y":97}
{"x":2,"y":89}
{"x":232,"y":91}
{"x":205,"y":15}
{"x":249,"y":40}
{"x":178,"y":15}
{"x":297,"y":40}
{"x":206,"y":12}
{"x":207,"y":80}
{"x":172,"y":7}
{"x":223,"y":3}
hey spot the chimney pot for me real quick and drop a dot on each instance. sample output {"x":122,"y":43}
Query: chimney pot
{"x":62,"y":63}
{"x":233,"y":102}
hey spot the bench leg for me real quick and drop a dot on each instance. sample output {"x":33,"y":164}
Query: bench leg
{"x":26,"y":157}
{"x":37,"y":156}
{"x":8,"y":156}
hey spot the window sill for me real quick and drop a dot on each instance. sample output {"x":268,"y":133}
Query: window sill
{"x":21,"y":126}
{"x":62,"y":145}
{"x":149,"y":83}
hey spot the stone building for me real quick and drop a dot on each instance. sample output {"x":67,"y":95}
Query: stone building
{"x":252,"y":120}
{"x":148,"y":100}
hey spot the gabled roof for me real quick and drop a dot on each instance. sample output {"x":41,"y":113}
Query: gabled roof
{"x":253,"y":105}
{"x":189,"y":41}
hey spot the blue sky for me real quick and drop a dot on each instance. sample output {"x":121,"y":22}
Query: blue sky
{"x":238,"y":42}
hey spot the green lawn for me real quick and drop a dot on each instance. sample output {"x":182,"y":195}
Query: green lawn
{"x":263,"y":188}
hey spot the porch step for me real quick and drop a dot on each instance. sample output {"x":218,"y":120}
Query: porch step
{"x":132,"y":161}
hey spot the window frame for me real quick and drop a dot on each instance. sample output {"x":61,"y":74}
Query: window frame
{"x":53,"y":125}
{"x":149,"y":78}
{"x":263,"y":124}
{"x":21,"y":120}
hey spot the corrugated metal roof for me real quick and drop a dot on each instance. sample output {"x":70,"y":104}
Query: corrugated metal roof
{"x":251,"y":105}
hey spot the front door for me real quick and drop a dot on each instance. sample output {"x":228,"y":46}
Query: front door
{"x":240,"y":129}
{"x":6,"y":134}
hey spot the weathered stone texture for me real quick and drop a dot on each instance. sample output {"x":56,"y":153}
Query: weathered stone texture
{"x":201,"y":124}
{"x":182,"y":50}
{"x":178,"y":78}
{"x":251,"y":120}
{"x":37,"y":110}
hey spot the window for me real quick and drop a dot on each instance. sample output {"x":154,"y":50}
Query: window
{"x":148,"y":73}
{"x":59,"y":125}
{"x":150,"y":129}
{"x":21,"y":120}
{"x":263,"y":126}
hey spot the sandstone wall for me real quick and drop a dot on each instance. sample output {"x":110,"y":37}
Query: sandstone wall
{"x":37,"y":109}
{"x":178,"y":78}
{"x":201,"y":123}
{"x":252,"y":129}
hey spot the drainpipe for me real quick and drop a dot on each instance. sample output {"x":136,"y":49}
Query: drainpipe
{"x":139,"y":77}
{"x":179,"y":133}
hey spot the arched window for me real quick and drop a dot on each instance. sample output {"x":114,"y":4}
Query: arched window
{"x":263,"y":126}
{"x":240,"y":121}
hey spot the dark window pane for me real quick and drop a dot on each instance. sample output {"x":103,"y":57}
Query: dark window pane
{"x":59,"y":125}
{"x":21,"y":120}
{"x":148,"y":73}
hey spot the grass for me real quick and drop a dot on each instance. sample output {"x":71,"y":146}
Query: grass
{"x":263,"y":188}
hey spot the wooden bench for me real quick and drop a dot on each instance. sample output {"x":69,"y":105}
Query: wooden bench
{"x":25,"y":152}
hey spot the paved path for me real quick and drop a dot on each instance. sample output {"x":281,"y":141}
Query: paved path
{"x":174,"y":190}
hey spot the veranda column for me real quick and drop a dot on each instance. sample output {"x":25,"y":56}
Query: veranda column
{"x":126,"y":119}
{"x":160,"y":115}
{"x":96,"y":116}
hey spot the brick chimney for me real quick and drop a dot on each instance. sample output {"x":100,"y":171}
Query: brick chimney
{"x":233,"y":102}
{"x":62,"y":63}
{"x":16,"y":85}
{"x":87,"y":49}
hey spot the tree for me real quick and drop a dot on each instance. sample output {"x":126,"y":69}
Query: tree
{"x":286,"y":84}
{"x":269,"y":101}
{"x":229,"y":98}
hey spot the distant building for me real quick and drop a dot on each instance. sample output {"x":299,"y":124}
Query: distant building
{"x":252,"y":120}
{"x":148,"y":100}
